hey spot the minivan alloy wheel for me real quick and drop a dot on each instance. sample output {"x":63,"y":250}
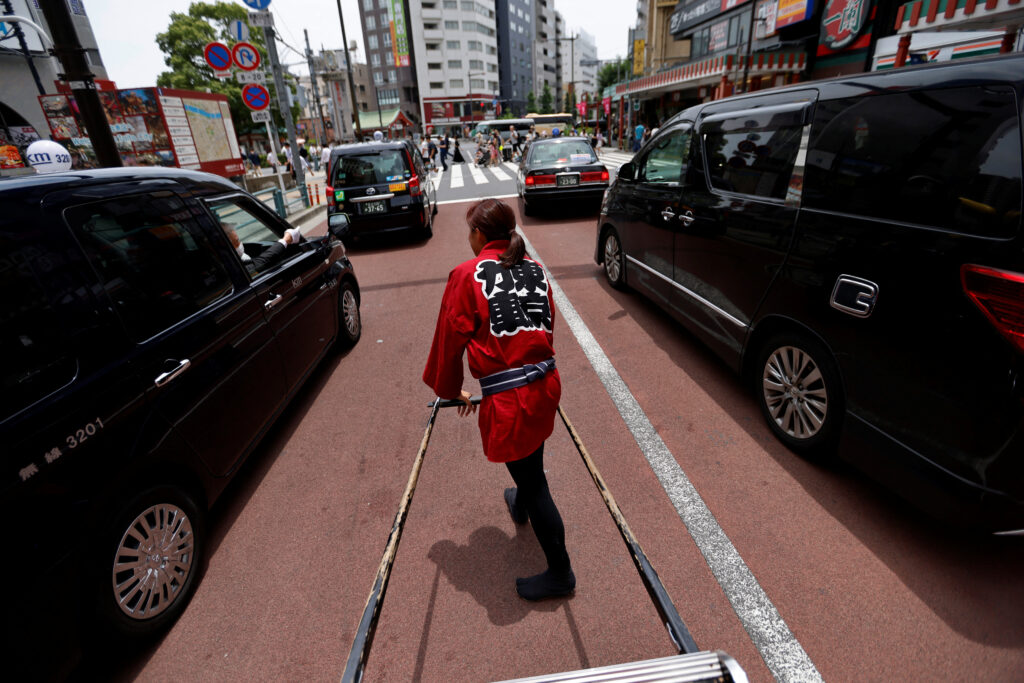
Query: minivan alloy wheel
{"x":153,"y":561}
{"x":350,"y":312}
{"x":613,"y":259}
{"x":795,"y":392}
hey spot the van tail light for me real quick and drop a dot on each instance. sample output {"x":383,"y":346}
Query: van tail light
{"x":540,"y":180}
{"x":414,"y":181}
{"x":999,"y":294}
{"x":330,"y":197}
{"x":593,"y":176}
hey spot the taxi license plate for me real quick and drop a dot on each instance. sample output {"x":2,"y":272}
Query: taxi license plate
{"x":564,"y":180}
{"x":373,"y":207}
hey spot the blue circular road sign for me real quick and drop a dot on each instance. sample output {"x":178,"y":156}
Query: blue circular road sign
{"x":218,"y":56}
{"x":257,"y":4}
{"x":256,"y":97}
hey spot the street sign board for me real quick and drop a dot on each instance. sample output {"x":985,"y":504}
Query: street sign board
{"x":256,"y":97}
{"x":245,"y":56}
{"x":251,"y":77}
{"x":265,"y":19}
{"x":218,"y":56}
{"x":257,"y":4}
{"x":239,"y":30}
{"x":261,"y":116}
{"x":222,"y":75}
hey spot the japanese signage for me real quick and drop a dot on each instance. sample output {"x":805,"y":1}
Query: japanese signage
{"x":689,"y":14}
{"x":766,"y":12}
{"x":638,"y":57}
{"x":719,"y":38}
{"x":842,"y":21}
{"x":399,"y":36}
{"x":793,"y":11}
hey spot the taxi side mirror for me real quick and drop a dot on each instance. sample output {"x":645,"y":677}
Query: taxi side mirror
{"x":338,"y":224}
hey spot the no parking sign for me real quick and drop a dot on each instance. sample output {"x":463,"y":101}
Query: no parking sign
{"x":218,"y":56}
{"x":256,"y":97}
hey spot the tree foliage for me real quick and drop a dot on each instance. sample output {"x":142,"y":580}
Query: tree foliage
{"x":570,"y":101}
{"x":612,"y":73}
{"x":531,"y":103}
{"x":183,"y":42}
{"x":546,"y":100}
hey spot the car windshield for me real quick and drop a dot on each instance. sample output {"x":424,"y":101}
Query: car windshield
{"x":568,"y":152}
{"x":370,"y":168}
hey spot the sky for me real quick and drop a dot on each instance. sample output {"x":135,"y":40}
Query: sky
{"x":126,"y":30}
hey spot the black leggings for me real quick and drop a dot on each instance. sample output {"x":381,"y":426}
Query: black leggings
{"x":533,"y":495}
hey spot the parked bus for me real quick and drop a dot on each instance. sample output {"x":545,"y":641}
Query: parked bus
{"x":501,"y":125}
{"x":548,"y":122}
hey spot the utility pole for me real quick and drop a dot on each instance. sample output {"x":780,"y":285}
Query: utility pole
{"x":316,"y":89}
{"x":351,"y":85}
{"x":82,"y":82}
{"x":20,"y":35}
{"x":286,"y":112}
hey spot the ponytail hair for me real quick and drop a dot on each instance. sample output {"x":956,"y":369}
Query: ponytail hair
{"x":496,"y":220}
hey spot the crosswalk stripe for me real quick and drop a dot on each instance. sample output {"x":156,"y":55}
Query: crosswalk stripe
{"x":510,"y":165}
{"x":478,"y":175}
{"x":499,"y":174}
{"x":456,"y":176}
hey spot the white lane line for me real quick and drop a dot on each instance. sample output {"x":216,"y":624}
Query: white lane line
{"x":476,"y":199}
{"x":478,"y":175}
{"x":779,"y":648}
{"x":499,"y":174}
{"x":456,"y":176}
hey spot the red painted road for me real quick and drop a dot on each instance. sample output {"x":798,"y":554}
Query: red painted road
{"x":870,"y":589}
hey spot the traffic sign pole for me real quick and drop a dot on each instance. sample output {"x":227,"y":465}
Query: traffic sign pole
{"x":286,"y":112}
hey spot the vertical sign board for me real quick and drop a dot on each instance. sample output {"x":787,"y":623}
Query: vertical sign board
{"x":399,"y":36}
{"x":638,"y":57}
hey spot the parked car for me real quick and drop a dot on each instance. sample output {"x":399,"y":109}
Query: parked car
{"x":853,"y":247}
{"x":558,"y":170}
{"x":145,"y":357}
{"x":382,"y":187}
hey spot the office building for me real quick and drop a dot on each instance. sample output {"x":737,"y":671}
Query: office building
{"x":386,"y":38}
{"x":515,"y":52}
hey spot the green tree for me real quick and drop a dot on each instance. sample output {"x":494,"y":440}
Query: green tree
{"x":570,"y":101}
{"x":531,"y":103}
{"x":546,"y":100}
{"x":612,"y":73}
{"x":183,"y":43}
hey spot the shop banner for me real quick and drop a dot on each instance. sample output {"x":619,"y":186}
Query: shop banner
{"x":638,"y":57}
{"x":766,"y":12}
{"x":793,"y":11}
{"x":399,"y":35}
{"x":607,"y":102}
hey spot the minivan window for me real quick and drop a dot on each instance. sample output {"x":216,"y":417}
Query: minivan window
{"x":947,"y":158}
{"x":751,"y":154}
{"x":370,"y":168}
{"x":153,"y":260}
{"x":667,"y":159}
{"x":36,"y":317}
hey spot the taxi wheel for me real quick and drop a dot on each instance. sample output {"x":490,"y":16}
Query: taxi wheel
{"x":151,"y":561}
{"x":800,"y":394}
{"x":351,"y":327}
{"x":614,"y":263}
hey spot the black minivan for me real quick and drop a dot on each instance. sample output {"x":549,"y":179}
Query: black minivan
{"x":853,"y":247}
{"x":154,"y":324}
{"x":382,"y":187}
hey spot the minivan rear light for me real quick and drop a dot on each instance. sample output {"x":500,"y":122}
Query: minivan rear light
{"x":999,"y":295}
{"x":330,"y":197}
{"x":414,"y":181}
{"x":540,"y":180}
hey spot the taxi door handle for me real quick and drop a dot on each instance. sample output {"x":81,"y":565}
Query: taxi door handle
{"x":166,"y":377}
{"x":270,"y":303}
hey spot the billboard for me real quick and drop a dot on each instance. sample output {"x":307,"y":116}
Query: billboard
{"x":399,"y":35}
{"x":793,"y":11}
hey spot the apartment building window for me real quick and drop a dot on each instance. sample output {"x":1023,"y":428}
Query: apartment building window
{"x":493,"y":68}
{"x":451,"y":4}
{"x":386,"y":39}
{"x":371,"y":22}
{"x":468,"y":25}
{"x":484,"y":10}
{"x":433,"y":46}
{"x":371,"y":42}
{"x":468,"y":5}
{"x":432,"y":26}
{"x":477,"y":64}
{"x":367,"y":4}
{"x":491,"y":50}
{"x":389,"y":58}
{"x":493,"y":85}
{"x":476,"y":83}
{"x":454,"y":45}
{"x":456,"y":83}
{"x":378,"y":77}
{"x":434,"y":65}
{"x":475,"y":46}
{"x":454,"y":63}
{"x":437,"y":85}
{"x":451,"y":25}
{"x":383,"y":4}
{"x":375,"y":59}
{"x":391,"y":76}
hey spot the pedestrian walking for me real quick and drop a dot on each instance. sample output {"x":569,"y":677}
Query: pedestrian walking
{"x":638,"y":137}
{"x":325,"y":156}
{"x":444,"y":152}
{"x":513,"y":137}
{"x":498,"y":309}
{"x":457,"y":157}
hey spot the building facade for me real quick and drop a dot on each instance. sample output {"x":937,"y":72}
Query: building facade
{"x":545,"y":49}
{"x":515,"y":53}
{"x":455,"y":49}
{"x":387,"y":31}
{"x":579,"y":67}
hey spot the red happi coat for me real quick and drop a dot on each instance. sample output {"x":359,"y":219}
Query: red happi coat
{"x":504,"y":319}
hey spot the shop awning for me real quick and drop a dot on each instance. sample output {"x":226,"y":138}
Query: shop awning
{"x":936,"y":15}
{"x":710,"y":71}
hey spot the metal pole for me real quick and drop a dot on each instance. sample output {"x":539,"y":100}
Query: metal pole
{"x":274,"y":149}
{"x":20,"y":35}
{"x":286,"y":112}
{"x":351,"y":85}
{"x":80,"y":78}
{"x":750,"y":39}
{"x":316,"y":89}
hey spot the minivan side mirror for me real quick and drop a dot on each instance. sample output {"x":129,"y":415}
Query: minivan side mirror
{"x":338,"y":224}
{"x":627,"y":171}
